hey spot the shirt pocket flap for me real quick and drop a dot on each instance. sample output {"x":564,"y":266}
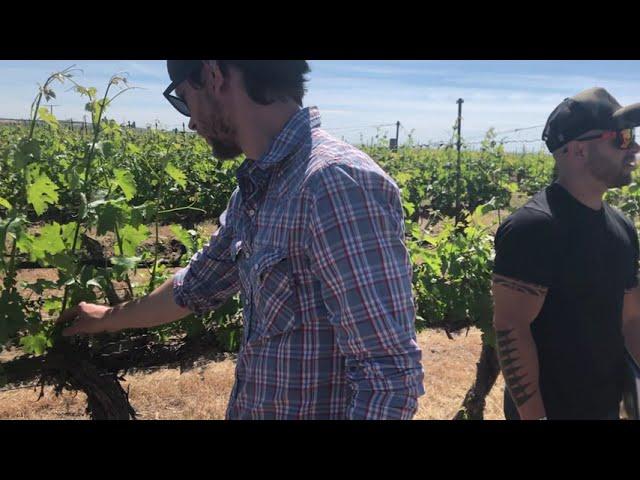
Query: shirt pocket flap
{"x":274,"y":295}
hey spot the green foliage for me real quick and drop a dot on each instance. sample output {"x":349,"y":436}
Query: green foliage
{"x":452,"y":274}
{"x":132,"y":237}
{"x":35,"y":344}
{"x":124,"y":179}
{"x":60,"y":188}
{"x":41,"y":191}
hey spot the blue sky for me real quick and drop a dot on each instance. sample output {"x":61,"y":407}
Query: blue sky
{"x":355,"y":95}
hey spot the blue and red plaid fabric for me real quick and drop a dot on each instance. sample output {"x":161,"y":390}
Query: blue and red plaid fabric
{"x":313,"y":238}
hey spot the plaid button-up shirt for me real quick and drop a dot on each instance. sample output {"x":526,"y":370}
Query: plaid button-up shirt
{"x":313,"y":237}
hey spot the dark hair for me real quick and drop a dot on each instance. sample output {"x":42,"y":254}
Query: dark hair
{"x":267,"y":81}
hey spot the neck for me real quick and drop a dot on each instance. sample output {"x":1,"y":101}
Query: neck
{"x":260,"y":124}
{"x":589,"y":192}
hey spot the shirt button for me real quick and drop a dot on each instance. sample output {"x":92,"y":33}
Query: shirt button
{"x":252,"y":213}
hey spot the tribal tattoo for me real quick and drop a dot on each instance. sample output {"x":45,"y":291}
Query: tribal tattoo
{"x":518,"y":286}
{"x":511,"y":369}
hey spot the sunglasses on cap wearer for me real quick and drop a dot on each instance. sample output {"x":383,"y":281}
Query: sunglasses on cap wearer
{"x":177,"y":102}
{"x":624,"y":139}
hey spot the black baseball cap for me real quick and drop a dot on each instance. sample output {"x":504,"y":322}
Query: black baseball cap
{"x":179,"y":70}
{"x":592,"y":109}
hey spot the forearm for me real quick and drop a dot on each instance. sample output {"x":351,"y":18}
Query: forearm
{"x":157,"y":308}
{"x":519,"y":364}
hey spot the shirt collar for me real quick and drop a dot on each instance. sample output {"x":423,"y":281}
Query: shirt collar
{"x":293,"y":134}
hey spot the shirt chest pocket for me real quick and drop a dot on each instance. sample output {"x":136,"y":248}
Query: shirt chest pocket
{"x":273,"y":293}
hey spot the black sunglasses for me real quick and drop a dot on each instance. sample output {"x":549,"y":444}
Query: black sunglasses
{"x":177,"y":102}
{"x":624,"y":139}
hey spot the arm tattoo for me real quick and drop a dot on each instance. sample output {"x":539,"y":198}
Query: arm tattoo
{"x":511,"y":368}
{"x":518,"y":286}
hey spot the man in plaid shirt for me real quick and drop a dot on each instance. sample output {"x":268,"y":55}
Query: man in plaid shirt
{"x":312,"y":238}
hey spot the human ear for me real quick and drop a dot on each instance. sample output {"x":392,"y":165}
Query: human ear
{"x":213,"y":68}
{"x":579,"y":150}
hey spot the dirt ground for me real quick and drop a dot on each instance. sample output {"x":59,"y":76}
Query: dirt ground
{"x":202,"y":394}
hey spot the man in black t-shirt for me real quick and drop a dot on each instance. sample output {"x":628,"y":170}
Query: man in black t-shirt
{"x":566,"y":296}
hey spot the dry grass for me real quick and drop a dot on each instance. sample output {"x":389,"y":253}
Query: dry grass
{"x":450,"y":368}
{"x":203,"y":392}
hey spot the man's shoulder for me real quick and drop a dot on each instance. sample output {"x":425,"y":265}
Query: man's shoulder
{"x":533,"y":221}
{"x":331,"y":159}
{"x":618,"y":215}
{"x":535,"y":212}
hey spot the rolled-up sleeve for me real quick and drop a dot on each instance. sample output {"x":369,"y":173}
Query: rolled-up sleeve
{"x":356,"y":246}
{"x":211,"y":277}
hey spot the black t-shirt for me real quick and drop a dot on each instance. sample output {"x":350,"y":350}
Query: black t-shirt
{"x":586,"y":259}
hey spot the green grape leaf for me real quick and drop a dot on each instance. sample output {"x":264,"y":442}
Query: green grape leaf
{"x":108,"y":216}
{"x":133,"y":149}
{"x":409,"y":208}
{"x":124,"y":179}
{"x":183,"y":236}
{"x":24,"y":242}
{"x":50,"y":240}
{"x":177,"y":174}
{"x":52,"y":305}
{"x":5,"y":203}
{"x":129,"y":263}
{"x":132,"y":238}
{"x":36,"y":344}
{"x":48,"y":117}
{"x":42,"y":192}
{"x":28,"y":152}
{"x":63,"y":262}
{"x":67,"y":232}
{"x":12,"y":316}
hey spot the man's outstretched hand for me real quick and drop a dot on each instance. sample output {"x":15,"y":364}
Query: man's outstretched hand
{"x":89,"y":319}
{"x":157,"y":308}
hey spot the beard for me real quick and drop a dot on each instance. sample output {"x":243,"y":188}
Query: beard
{"x":623,"y":179}
{"x":613,"y":176}
{"x":224,"y":150}
{"x":222,"y":135}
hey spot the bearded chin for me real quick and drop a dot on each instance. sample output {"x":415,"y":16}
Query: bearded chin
{"x":609,"y":178}
{"x":224,"y":150}
{"x":614,"y":181}
{"x":621,"y":180}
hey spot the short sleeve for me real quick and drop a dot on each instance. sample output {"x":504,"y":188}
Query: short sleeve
{"x":526,"y":248}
